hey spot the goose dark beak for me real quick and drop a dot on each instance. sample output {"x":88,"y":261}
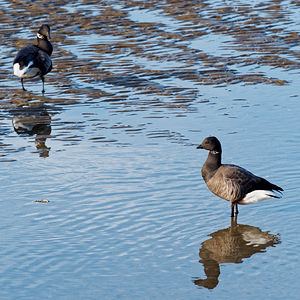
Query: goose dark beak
{"x":200,"y":147}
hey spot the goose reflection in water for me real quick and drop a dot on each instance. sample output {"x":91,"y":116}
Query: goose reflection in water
{"x":29,"y":120}
{"x":231,"y":245}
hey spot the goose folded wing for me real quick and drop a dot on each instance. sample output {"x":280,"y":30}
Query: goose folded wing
{"x":26,"y":55}
{"x":237,"y":182}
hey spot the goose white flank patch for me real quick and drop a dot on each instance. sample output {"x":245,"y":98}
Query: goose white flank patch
{"x":34,"y":60}
{"x":231,"y":182}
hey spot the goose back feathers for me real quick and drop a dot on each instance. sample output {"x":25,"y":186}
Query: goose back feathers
{"x":231,"y":182}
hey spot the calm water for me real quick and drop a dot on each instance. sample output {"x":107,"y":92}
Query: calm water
{"x":104,"y":199}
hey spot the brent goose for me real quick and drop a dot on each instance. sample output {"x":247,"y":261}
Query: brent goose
{"x":34,"y":60}
{"x":231,"y":182}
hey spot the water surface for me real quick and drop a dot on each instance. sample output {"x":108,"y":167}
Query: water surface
{"x":102,"y":195}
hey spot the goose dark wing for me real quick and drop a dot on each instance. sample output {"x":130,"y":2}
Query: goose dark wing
{"x":26,"y":55}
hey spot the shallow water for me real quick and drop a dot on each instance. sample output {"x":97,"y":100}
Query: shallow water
{"x":104,"y":198}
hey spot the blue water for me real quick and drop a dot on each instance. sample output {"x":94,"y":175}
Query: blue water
{"x":111,"y":204}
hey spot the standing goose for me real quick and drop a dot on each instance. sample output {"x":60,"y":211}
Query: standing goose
{"x":231,"y":182}
{"x":34,"y":60}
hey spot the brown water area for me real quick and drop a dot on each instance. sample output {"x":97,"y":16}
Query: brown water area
{"x":253,"y":32}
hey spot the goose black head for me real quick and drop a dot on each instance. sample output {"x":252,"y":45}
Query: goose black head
{"x":211,"y":144}
{"x":44,"y":32}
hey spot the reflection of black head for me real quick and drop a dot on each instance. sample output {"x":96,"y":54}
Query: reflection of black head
{"x":231,"y":245}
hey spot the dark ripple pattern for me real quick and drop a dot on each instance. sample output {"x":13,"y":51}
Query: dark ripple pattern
{"x":130,"y":57}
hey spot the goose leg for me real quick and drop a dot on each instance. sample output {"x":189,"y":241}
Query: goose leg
{"x":43,"y":90}
{"x":236,"y":209}
{"x":234,"y":206}
{"x":22,"y":84}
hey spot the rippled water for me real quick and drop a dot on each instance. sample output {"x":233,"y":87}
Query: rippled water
{"x":102,"y":196}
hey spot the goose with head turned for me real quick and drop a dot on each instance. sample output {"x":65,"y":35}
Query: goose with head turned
{"x":231,"y":182}
{"x":34,"y":60}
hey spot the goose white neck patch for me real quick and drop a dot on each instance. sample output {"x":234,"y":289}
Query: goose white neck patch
{"x":215,"y":152}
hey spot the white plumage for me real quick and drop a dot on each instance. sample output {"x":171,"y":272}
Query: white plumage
{"x":257,"y":196}
{"x":27,"y":71}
